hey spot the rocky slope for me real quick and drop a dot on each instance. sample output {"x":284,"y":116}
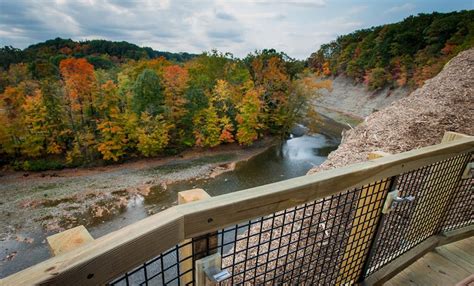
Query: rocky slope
{"x":444,"y":103}
{"x":355,"y":100}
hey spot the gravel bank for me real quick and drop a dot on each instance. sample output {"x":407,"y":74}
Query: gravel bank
{"x":57,"y":200}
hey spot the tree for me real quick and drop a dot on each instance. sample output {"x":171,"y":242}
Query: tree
{"x":113,"y":141}
{"x":250,"y":116}
{"x":424,"y":43}
{"x":152,"y":134}
{"x":148,"y":94}
{"x":377,"y":78}
{"x":80,"y":85}
{"x":227,"y":129}
{"x":35,"y":121}
{"x":206,"y":127}
{"x":300,"y":106}
{"x":79,"y":80}
{"x":10,"y":55}
{"x":11,"y":115}
{"x":175,"y":80}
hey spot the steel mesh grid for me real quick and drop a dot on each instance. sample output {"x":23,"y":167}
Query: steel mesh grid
{"x":161,"y":270}
{"x":410,"y":223}
{"x":460,"y":211}
{"x":318,"y":243}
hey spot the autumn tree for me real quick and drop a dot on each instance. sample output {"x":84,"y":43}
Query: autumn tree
{"x":80,"y":85}
{"x":250,"y":116}
{"x":300,"y":105}
{"x":270,"y":75}
{"x":175,"y":81}
{"x":152,"y":134}
{"x":35,"y":120}
{"x":79,"y":82}
{"x":207,"y":129}
{"x":11,"y":115}
{"x":113,"y":140}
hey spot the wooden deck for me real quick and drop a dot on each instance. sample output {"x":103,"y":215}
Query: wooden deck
{"x":446,"y":265}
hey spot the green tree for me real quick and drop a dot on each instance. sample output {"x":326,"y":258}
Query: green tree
{"x":148,"y":94}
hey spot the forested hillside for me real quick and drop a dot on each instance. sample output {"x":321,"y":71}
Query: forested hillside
{"x":58,"y":108}
{"x":100,"y":53}
{"x":395,"y":55}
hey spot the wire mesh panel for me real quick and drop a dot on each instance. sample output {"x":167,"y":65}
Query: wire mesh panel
{"x":305,"y":245}
{"x":460,"y":209}
{"x":410,"y":223}
{"x":162,"y":270}
{"x":319,"y":243}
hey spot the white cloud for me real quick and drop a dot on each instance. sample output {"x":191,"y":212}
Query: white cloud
{"x":407,"y":7}
{"x":297,"y":27}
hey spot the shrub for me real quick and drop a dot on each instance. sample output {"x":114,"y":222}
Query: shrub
{"x":38,"y":165}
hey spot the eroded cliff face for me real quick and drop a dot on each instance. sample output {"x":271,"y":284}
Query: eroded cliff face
{"x":443,"y":103}
{"x":354,"y":99}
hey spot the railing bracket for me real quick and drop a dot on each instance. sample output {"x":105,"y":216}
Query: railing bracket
{"x":467,"y":174}
{"x":393,"y":197}
{"x":208,"y":270}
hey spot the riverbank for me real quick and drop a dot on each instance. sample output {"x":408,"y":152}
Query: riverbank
{"x":355,"y":100}
{"x":48,"y":202}
{"x":56,"y":198}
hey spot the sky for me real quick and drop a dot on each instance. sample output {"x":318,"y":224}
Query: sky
{"x":297,"y":27}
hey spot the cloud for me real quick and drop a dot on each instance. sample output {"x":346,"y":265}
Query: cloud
{"x":407,"y":7}
{"x":297,"y":27}
{"x":319,"y":3}
{"x":224,"y":16}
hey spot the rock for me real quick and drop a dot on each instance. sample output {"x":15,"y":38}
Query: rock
{"x":299,"y":130}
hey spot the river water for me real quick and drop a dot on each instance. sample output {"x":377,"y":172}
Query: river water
{"x":288,"y":159}
{"x":291,"y":158}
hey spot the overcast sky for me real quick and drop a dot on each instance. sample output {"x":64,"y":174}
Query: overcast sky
{"x":297,"y":27}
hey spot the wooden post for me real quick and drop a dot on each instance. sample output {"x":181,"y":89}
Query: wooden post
{"x":364,"y":227}
{"x":213,"y":261}
{"x":68,"y":240}
{"x":452,"y":136}
{"x":189,"y":248}
{"x":438,"y":191}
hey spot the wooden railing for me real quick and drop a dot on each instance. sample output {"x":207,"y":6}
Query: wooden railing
{"x":109,"y":256}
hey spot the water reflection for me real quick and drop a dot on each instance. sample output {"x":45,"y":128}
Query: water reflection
{"x":292,"y":158}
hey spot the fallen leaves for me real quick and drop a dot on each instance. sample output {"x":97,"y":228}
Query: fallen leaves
{"x":20,"y":238}
{"x":10,"y":256}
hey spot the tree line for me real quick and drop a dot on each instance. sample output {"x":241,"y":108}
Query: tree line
{"x":400,"y":54}
{"x":100,"y":53}
{"x":70,"y":112}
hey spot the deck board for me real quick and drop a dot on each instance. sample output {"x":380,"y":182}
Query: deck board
{"x":446,"y":265}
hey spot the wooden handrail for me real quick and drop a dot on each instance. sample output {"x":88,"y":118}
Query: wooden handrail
{"x":115,"y":253}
